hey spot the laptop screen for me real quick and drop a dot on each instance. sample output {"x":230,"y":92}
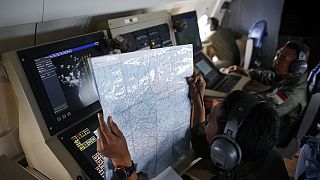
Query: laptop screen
{"x":210,"y":73}
{"x":203,"y":67}
{"x":187,"y":30}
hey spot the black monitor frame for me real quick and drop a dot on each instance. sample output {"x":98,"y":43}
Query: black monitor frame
{"x":27,"y":58}
{"x":193,"y":14}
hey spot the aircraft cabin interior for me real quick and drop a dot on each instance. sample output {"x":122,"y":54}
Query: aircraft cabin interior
{"x":49,"y":103}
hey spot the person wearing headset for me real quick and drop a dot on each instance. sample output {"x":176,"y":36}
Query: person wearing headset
{"x":288,"y":82}
{"x":241,"y":131}
{"x":239,"y":135}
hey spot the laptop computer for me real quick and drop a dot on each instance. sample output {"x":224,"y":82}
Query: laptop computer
{"x":218,"y":84}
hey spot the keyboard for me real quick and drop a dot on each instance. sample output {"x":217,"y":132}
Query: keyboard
{"x":228,"y":83}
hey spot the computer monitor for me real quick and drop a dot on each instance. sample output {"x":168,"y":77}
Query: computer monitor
{"x":142,"y":31}
{"x":60,"y":78}
{"x":187,"y":30}
{"x":80,"y":141}
{"x":151,"y":37}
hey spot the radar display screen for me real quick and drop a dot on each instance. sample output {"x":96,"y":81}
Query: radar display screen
{"x":60,"y":78}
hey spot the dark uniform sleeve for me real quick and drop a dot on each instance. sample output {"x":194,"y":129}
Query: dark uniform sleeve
{"x":265,"y":77}
{"x":289,"y":100}
{"x":199,"y":141}
{"x":292,"y":102}
{"x":290,"y":112}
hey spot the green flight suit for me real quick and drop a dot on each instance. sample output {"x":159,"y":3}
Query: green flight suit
{"x":289,"y":98}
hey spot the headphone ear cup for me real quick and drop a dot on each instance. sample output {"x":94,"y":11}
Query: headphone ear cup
{"x":298,"y":67}
{"x":225,"y":152}
{"x":302,"y":56}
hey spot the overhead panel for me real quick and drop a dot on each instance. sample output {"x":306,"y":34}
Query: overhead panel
{"x":14,"y":12}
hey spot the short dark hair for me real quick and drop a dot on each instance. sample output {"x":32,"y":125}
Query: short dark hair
{"x":259,"y":132}
{"x":299,"y":46}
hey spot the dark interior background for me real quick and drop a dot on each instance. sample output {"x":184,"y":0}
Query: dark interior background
{"x":299,"y":21}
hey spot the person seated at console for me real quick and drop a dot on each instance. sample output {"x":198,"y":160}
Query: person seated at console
{"x":239,"y":136}
{"x":288,"y":85}
{"x":222,"y":47}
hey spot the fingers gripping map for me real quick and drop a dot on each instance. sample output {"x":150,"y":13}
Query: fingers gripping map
{"x":147,"y":95}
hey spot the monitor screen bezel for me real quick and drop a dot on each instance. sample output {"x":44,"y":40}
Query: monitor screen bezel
{"x":182,"y":16}
{"x":27,"y":57}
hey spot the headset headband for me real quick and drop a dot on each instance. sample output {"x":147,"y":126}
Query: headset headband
{"x":239,"y":113}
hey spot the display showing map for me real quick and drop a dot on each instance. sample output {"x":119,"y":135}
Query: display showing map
{"x":146,"y":93}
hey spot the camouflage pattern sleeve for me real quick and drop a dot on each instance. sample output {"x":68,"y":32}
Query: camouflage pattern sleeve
{"x":266,"y":77}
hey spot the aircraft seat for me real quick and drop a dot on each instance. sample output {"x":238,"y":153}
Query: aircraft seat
{"x":256,"y":34}
{"x":308,"y":165}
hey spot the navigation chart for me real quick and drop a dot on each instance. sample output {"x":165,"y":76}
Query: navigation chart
{"x":147,"y":95}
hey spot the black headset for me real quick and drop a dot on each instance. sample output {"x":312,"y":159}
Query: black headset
{"x":299,"y":66}
{"x":225,"y":151}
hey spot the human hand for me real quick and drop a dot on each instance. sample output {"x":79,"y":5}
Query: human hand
{"x":237,"y":69}
{"x":112,"y":143}
{"x":212,"y":103}
{"x":196,"y":83}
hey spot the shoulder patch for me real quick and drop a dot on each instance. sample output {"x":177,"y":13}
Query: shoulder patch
{"x":280,"y":97}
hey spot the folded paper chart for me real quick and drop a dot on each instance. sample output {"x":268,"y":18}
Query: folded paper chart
{"x":146,"y":94}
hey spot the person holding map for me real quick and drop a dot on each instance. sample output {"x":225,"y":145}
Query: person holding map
{"x":242,"y":124}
